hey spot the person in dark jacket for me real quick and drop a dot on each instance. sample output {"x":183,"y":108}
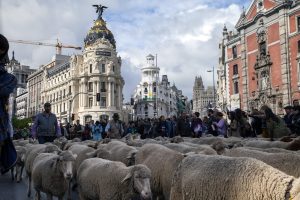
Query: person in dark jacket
{"x":8,"y":83}
{"x":162,"y":127}
{"x":45,"y":127}
{"x":183,"y":126}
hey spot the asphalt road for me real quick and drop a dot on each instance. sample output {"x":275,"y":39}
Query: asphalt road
{"x":10,"y":190}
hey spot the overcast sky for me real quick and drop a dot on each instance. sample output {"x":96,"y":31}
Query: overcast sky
{"x":183,"y":33}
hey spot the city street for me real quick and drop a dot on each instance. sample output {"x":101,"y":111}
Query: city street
{"x":10,"y":190}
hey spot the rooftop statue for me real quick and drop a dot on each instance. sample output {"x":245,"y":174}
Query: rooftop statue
{"x":99,"y":10}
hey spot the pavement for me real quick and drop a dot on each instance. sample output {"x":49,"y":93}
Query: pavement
{"x":10,"y":190}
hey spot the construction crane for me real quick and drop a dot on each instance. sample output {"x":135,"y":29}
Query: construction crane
{"x":58,"y":45}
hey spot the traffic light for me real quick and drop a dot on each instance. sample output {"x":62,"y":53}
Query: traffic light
{"x":98,"y":97}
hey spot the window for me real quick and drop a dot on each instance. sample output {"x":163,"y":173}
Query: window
{"x":298,"y":23}
{"x":90,"y":88}
{"x":113,"y":68}
{"x":234,"y":52}
{"x":146,"y":90}
{"x":154,"y":89}
{"x":103,"y":102}
{"x":103,"y":68}
{"x":298,"y":46}
{"x":236,"y":87}
{"x":70,"y":90}
{"x":90,"y":102}
{"x":103,"y":87}
{"x":91,"y":68}
{"x":235,"y":70}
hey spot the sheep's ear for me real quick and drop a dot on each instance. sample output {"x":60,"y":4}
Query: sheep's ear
{"x":127,"y":177}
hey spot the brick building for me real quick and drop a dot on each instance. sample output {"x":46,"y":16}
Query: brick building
{"x":259,"y":61}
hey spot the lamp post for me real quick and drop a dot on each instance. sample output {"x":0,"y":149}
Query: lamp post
{"x":214,"y":92}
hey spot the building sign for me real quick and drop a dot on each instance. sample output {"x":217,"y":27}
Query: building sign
{"x":103,"y":53}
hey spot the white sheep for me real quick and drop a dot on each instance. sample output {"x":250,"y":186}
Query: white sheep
{"x":219,"y":177}
{"x":162,"y":162}
{"x":293,"y":145}
{"x":52,"y":173}
{"x":31,"y":153}
{"x":284,"y":162}
{"x":111,"y":180}
{"x":185,"y":148}
{"x":120,"y":151}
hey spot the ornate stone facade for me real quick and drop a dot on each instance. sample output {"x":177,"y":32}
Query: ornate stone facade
{"x":154,"y":97}
{"x":259,"y":60}
{"x":203,"y":99}
{"x":72,"y":83}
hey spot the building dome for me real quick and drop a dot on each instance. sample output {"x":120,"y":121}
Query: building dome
{"x":99,"y":31}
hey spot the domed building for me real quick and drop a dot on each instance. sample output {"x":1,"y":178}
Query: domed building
{"x":154,"y":97}
{"x":86,"y":86}
{"x":99,"y":74}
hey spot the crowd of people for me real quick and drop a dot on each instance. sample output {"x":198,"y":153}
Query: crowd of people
{"x":235,"y":123}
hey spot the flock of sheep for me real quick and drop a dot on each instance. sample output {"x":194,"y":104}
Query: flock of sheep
{"x":208,"y":168}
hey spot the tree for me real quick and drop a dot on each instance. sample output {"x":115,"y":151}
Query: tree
{"x":21,"y":123}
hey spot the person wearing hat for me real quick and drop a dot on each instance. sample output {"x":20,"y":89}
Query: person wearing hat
{"x":8,"y":83}
{"x":288,"y":117}
{"x":45,"y":127}
{"x":114,"y":128}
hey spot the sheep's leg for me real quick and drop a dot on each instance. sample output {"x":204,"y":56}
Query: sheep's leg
{"x":37,"y":195}
{"x":69,"y":190}
{"x":21,"y":173}
{"x":12,"y":173}
{"x":49,"y":196}
{"x":29,"y":186}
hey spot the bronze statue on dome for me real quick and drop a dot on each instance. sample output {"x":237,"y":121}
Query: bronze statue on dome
{"x":99,"y":10}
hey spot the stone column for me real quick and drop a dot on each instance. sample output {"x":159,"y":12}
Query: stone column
{"x":120,"y":96}
{"x":113,"y":94}
{"x":85,"y":97}
{"x":108,"y":99}
{"x":95,"y":90}
{"x":244,"y":89}
{"x":285,"y":64}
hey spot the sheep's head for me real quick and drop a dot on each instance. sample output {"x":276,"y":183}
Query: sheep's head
{"x":140,"y":176}
{"x":65,"y":163}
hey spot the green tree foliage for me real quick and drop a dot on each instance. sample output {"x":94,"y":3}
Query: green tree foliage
{"x":21,"y":123}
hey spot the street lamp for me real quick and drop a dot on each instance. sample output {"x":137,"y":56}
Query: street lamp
{"x":214,"y":93}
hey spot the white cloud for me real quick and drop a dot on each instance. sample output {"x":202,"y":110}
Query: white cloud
{"x":184,"y":34}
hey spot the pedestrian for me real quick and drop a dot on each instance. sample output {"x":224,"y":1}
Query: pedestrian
{"x":221,"y":125}
{"x":288,"y":117}
{"x":183,"y":126}
{"x":196,"y":125}
{"x":162,"y":128}
{"x":275,"y":125}
{"x":8,"y":82}
{"x":45,"y":127}
{"x":86,"y":134}
{"x":78,"y":130}
{"x":97,"y":131}
{"x":114,"y":128}
{"x":211,"y":129}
